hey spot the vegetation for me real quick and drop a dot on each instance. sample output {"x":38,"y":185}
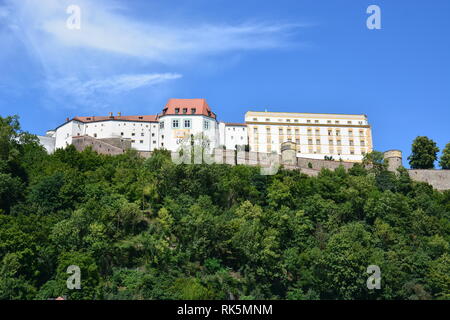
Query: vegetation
{"x":424,"y":153}
{"x":151,"y":229}
{"x":445,"y":158}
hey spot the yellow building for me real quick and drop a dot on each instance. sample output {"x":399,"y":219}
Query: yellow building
{"x":341,"y":136}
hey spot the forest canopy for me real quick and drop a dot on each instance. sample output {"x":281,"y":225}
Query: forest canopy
{"x":150,"y":229}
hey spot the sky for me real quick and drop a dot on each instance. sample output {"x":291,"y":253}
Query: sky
{"x":285,"y":55}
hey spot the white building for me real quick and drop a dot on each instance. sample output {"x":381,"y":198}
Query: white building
{"x":346,"y":137}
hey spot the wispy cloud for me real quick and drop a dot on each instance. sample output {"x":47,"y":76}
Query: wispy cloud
{"x":112,"y":42}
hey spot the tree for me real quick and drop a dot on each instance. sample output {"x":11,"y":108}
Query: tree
{"x":424,"y":153}
{"x":445,"y":158}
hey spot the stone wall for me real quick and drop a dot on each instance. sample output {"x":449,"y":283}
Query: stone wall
{"x":439,"y":179}
{"x":82,"y":142}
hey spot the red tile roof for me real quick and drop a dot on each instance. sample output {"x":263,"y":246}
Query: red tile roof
{"x":187,"y":107}
{"x":152,"y":118}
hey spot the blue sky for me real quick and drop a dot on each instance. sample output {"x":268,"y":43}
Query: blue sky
{"x":294,"y":56}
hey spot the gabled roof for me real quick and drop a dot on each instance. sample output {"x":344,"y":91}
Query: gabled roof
{"x":187,"y":107}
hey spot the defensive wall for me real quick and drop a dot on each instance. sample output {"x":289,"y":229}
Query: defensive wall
{"x":439,"y":179}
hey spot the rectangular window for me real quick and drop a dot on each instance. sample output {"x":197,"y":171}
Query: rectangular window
{"x":141,"y":141}
{"x":363,"y":143}
{"x":187,"y":123}
{"x":193,"y":110}
{"x":317,"y":141}
{"x":177,"y":110}
{"x":310,"y":141}
{"x":330,"y":142}
{"x":308,"y":121}
{"x":339,"y":142}
{"x":161,"y":125}
{"x":184,"y":110}
{"x":175,"y":123}
{"x":206,"y":125}
{"x":316,"y":121}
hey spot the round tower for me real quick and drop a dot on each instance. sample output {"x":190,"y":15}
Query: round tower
{"x":289,"y":153}
{"x":394,"y":158}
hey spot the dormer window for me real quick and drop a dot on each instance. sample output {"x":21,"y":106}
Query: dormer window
{"x":140,"y":118}
{"x":185,"y":110}
{"x":193,"y":110}
{"x":177,"y":110}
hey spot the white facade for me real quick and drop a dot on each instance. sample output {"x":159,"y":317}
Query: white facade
{"x":144,"y":136}
{"x":174,"y":129}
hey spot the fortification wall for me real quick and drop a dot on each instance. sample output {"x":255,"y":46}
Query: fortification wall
{"x":439,"y":179}
{"x":101,"y":147}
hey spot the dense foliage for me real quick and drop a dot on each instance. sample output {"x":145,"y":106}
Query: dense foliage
{"x":423,"y":154}
{"x":151,"y":229}
{"x":445,"y":157}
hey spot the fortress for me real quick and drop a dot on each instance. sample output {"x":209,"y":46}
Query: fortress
{"x":299,"y":141}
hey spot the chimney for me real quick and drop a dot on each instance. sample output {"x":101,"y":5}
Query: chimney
{"x":119,"y":113}
{"x":111,"y":115}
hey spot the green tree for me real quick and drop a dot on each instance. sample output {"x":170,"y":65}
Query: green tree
{"x":445,"y":157}
{"x":424,"y":153}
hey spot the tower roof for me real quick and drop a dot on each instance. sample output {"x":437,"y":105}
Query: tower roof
{"x":187,"y":107}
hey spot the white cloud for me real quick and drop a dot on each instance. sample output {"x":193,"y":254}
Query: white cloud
{"x":111,"y":44}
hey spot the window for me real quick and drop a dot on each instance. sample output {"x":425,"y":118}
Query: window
{"x":350,"y":132}
{"x":161,"y":125}
{"x":317,"y":141}
{"x":153,"y":134}
{"x":338,"y":133}
{"x":308,"y":121}
{"x":206,"y":125}
{"x":349,"y":122}
{"x":288,"y":120}
{"x":142,"y":134}
{"x":351,"y":143}
{"x":141,"y":141}
{"x":363,"y":143}
{"x":297,"y":131}
{"x":309,"y":131}
{"x":328,"y":121}
{"x":184,"y":110}
{"x":140,"y":118}
{"x":175,"y":123}
{"x":337,"y":122}
{"x":310,"y":141}
{"x":330,"y":132}
{"x":360,"y":122}
{"x":133,"y":134}
{"x":361,"y":133}
{"x":133,"y":141}
{"x":95,"y":135}
{"x":352,"y":152}
{"x":330,"y":142}
{"x":288,"y":131}
{"x":296,"y":120}
{"x":316,"y":121}
{"x":193,"y":110}
{"x":267,"y":120}
{"x":154,"y":142}
{"x":280,"y":131}
{"x":255,"y":119}
{"x":121,"y":133}
{"x":317,"y":131}
{"x":255,"y":130}
{"x":187,"y":123}
{"x":297,"y":141}
{"x":339,"y":143}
